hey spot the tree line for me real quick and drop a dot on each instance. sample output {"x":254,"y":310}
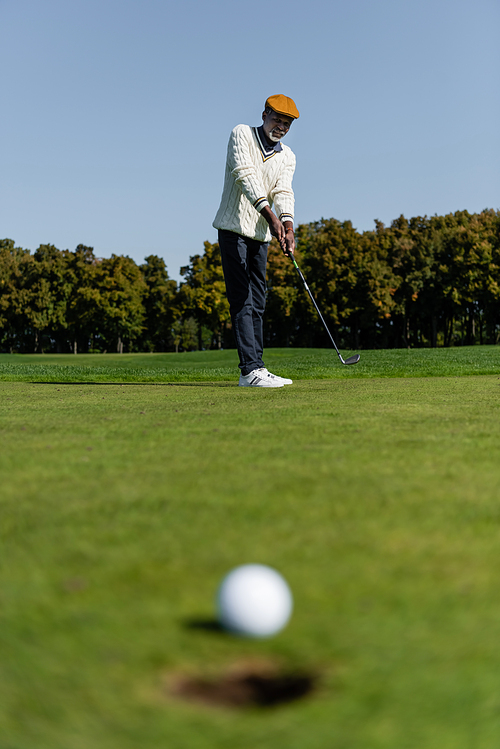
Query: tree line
{"x":431,"y":281}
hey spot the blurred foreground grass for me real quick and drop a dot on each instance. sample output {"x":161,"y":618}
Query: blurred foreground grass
{"x":122,"y":507}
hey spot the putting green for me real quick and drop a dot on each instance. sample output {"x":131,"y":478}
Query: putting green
{"x":123,"y":505}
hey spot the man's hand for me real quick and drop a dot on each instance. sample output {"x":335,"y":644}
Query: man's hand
{"x":276,"y":227}
{"x":289,"y":239}
{"x":283,"y":232}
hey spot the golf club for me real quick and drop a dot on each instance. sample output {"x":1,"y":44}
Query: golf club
{"x":352,"y":359}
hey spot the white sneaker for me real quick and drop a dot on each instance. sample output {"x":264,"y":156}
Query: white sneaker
{"x":260,"y":378}
{"x":284,"y":380}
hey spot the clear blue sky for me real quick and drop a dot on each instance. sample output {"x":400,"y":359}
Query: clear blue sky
{"x":116,"y":114}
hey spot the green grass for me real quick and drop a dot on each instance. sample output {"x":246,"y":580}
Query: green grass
{"x":219,"y":366}
{"x":123,"y":505}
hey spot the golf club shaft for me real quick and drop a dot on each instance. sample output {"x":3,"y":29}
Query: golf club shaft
{"x":315,"y":305}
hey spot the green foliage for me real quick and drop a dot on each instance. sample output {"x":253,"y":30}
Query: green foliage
{"x":419,"y":282}
{"x":13,"y":261}
{"x":189,"y":334}
{"x":160,"y":311}
{"x":203,"y":293}
{"x":416,"y":283}
{"x":72,"y":301}
{"x":82,"y":310}
{"x":121,"y":288}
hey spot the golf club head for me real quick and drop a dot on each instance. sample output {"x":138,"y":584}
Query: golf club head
{"x":353,"y":359}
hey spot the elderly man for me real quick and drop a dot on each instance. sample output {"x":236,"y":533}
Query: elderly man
{"x":259,"y":173}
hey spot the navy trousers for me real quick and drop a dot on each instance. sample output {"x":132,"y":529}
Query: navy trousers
{"x":244,"y":262}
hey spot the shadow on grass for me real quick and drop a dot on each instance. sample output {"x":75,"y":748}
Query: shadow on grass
{"x":204,"y":625}
{"x":157,"y":384}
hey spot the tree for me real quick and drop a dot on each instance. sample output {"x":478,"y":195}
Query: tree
{"x":189,"y":334}
{"x":351,"y":276}
{"x":203,"y":293}
{"x":417,"y":282}
{"x":281,"y":321}
{"x":159,"y":305}
{"x":466,"y":272}
{"x":43,"y":295}
{"x":12,"y":264}
{"x":490,"y":236}
{"x":184,"y":334}
{"x":119,"y":310}
{"x":82,"y":317}
{"x":410,"y":253}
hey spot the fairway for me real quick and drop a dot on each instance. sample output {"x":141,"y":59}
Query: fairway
{"x":221,"y":366}
{"x":124,"y":503}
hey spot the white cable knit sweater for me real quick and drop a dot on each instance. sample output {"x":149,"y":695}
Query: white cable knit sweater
{"x":252,"y":181}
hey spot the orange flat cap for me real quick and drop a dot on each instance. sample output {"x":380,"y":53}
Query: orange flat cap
{"x":283,"y":105}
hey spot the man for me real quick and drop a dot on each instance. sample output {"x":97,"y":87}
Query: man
{"x":259,"y":173}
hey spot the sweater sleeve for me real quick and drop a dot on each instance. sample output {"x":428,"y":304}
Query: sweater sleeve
{"x":243,"y":168}
{"x":282,"y":193}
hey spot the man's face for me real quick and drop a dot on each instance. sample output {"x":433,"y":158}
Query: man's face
{"x":275,"y":125}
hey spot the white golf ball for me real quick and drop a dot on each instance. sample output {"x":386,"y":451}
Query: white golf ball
{"x":254,"y":600}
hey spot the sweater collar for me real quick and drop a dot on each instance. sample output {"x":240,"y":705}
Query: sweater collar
{"x":266,"y":149}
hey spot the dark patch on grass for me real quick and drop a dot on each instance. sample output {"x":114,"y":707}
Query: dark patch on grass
{"x":202,"y":384}
{"x":258,"y":685}
{"x":205,"y":625}
{"x":120,"y":384}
